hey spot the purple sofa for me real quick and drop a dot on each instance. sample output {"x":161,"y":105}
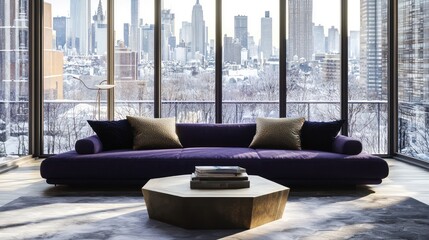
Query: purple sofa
{"x":215,"y":144}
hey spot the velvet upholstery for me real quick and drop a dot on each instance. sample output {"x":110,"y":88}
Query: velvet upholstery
{"x":347,"y":145}
{"x":89,"y":145}
{"x":289,"y":167}
{"x":320,"y":135}
{"x":113,"y":134}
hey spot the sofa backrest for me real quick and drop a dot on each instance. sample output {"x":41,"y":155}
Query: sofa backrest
{"x":215,"y":135}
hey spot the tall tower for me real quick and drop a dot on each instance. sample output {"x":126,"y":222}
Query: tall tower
{"x":267,"y":35}
{"x":80,"y":16}
{"x":13,"y":62}
{"x":319,"y":39}
{"x":198,"y":30}
{"x":99,"y":31}
{"x":134,"y":28}
{"x":300,"y":23}
{"x":373,"y":38}
{"x":240,"y":30}
{"x":333,"y":40}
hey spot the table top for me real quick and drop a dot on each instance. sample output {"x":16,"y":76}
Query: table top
{"x":180,"y":186}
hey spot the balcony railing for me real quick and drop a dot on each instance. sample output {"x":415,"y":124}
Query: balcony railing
{"x":66,"y":121}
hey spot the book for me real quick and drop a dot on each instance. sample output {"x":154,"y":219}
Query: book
{"x":200,"y":184}
{"x":220,"y":169}
{"x":219,"y":177}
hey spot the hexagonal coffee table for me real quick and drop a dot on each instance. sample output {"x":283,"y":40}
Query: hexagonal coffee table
{"x":171,"y":200}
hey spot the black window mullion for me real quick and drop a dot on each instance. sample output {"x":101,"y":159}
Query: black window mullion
{"x":282,"y":59}
{"x":157,"y":60}
{"x":218,"y":77}
{"x":344,"y":66}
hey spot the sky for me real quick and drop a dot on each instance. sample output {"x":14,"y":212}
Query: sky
{"x":323,"y":13}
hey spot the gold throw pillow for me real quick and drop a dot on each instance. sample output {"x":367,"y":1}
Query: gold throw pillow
{"x":278,"y":133}
{"x":153,"y":133}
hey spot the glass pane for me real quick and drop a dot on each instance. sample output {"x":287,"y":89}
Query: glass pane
{"x":187,"y":52}
{"x":75,"y":51}
{"x":413,"y":78}
{"x":250,"y":74}
{"x":14,"y":70}
{"x":368,"y":74}
{"x":134,"y":59}
{"x":313,"y":59}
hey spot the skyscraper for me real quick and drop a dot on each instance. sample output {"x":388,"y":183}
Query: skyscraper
{"x":198,"y":30}
{"x":373,"y":38}
{"x":168,"y":26}
{"x":333,"y":40}
{"x":62,"y":29}
{"x":99,"y":31}
{"x":186,"y":33}
{"x":354,"y":43}
{"x":14,"y":61}
{"x":240,"y":30}
{"x":81,"y":25}
{"x":126,"y":34}
{"x":319,"y":39}
{"x":134,"y":28}
{"x":300,"y":23}
{"x":267,"y":35}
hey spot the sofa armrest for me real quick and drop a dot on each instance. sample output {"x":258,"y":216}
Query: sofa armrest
{"x":89,"y":145}
{"x":346,"y":145}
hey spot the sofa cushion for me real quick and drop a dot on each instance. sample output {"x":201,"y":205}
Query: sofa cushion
{"x":215,"y":135}
{"x":320,"y":135}
{"x":278,"y":133}
{"x":113,"y":134}
{"x":89,"y":145}
{"x":347,"y":145}
{"x":154,"y":133}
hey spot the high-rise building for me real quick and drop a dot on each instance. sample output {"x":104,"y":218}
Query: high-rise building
{"x":300,"y":35}
{"x":186,"y":33}
{"x":62,"y":28}
{"x":99,"y":31}
{"x":354,"y":43}
{"x":80,"y":17}
{"x":168,"y":26}
{"x":240,"y":30}
{"x":333,"y":40}
{"x":53,"y":61}
{"x":148,"y":42}
{"x":198,"y":43}
{"x":319,"y":39}
{"x":413,"y":79}
{"x":373,"y":41}
{"x":14,"y":62}
{"x":266,"y":35}
{"x":231,"y":50}
{"x":134,"y":28}
{"x":126,"y":34}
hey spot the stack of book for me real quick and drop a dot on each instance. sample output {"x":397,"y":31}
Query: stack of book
{"x":219,"y":177}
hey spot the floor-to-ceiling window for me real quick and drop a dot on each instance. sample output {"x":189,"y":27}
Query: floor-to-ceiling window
{"x":75,"y":55}
{"x":413,"y":78}
{"x":313,"y":59}
{"x":250,"y":72}
{"x":134,"y":58}
{"x":14,"y":72}
{"x":367,"y":73}
{"x":188,"y":60}
{"x":75,"y":63}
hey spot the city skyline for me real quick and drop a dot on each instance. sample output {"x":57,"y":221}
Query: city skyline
{"x":322,"y":14}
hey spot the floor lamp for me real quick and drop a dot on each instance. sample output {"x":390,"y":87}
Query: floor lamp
{"x":99,"y":87}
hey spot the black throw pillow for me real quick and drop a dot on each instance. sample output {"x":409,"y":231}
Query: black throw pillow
{"x":113,"y":134}
{"x":320,"y":135}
